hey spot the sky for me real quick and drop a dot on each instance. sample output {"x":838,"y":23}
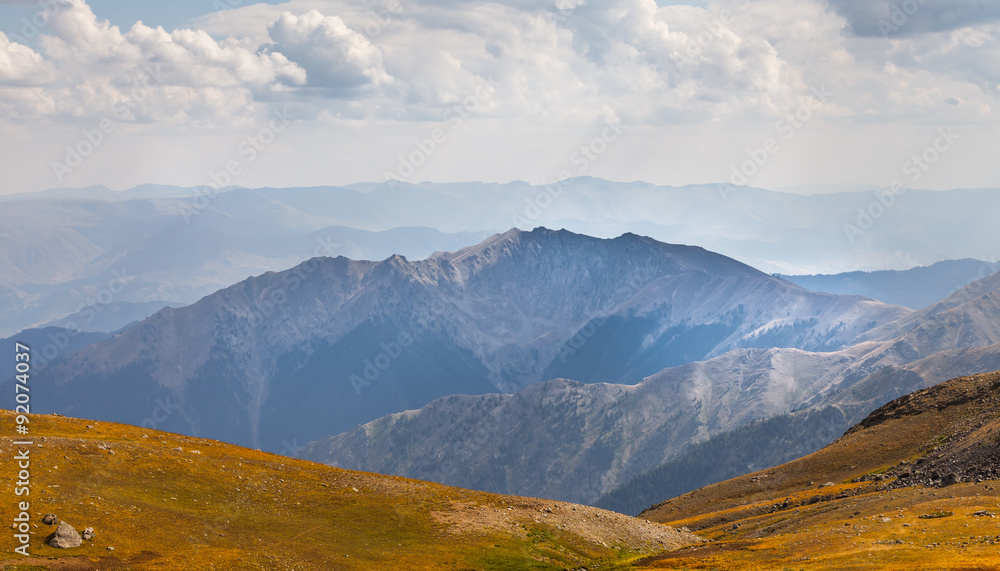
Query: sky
{"x":804,"y":94}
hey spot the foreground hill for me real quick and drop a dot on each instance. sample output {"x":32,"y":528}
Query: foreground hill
{"x":913,"y":486}
{"x":162,"y":501}
{"x":333,"y":343}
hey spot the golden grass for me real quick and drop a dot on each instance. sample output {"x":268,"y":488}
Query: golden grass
{"x":850,"y":526}
{"x":215,"y":506}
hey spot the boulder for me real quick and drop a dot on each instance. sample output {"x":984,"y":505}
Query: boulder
{"x":65,"y":537}
{"x":50,"y":519}
{"x":88,"y":534}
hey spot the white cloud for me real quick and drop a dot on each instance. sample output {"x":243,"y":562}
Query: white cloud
{"x":20,"y":65}
{"x":734,"y":65}
{"x":334,"y":56}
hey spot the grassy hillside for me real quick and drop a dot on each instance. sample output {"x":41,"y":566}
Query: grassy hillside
{"x":163,"y":501}
{"x":878,"y":498}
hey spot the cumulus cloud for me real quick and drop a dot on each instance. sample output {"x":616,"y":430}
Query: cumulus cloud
{"x":333,"y":55}
{"x":20,"y":65}
{"x":566,"y":61}
{"x":190,"y":58}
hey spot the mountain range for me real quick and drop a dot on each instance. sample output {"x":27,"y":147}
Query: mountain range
{"x":71,"y":250}
{"x":285,"y":358}
{"x":567,"y":440}
{"x":914,"y":288}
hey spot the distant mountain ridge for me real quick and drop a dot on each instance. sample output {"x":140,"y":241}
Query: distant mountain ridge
{"x":58,"y":247}
{"x":914,"y":288}
{"x":294,"y":356}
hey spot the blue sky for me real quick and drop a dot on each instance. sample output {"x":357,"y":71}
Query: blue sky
{"x":170,"y":14}
{"x":769,"y":93}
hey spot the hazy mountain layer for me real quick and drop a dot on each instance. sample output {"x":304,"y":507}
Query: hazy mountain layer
{"x":915,"y":288}
{"x":65,"y":255}
{"x":63,"y":249}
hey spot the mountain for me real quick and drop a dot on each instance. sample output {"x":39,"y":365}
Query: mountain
{"x":111,"y":317}
{"x":912,"y":486}
{"x":161,"y":501}
{"x":571,"y":441}
{"x":62,"y":248}
{"x":964,"y":319}
{"x":48,"y":344}
{"x":914,"y":288}
{"x":332,"y":343}
{"x":91,"y":252}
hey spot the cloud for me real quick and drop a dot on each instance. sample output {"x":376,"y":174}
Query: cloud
{"x":893,"y":18}
{"x":334,"y":56}
{"x":20,"y":65}
{"x":728,"y":61}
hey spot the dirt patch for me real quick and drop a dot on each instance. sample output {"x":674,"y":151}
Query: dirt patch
{"x":598,"y":526}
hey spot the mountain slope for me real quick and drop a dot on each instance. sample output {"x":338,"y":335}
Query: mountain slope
{"x":163,"y":501}
{"x":313,"y":351}
{"x":891,"y":501}
{"x":575,"y":442}
{"x":50,"y":344}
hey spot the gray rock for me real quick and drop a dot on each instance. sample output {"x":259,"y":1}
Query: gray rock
{"x":951,"y":479}
{"x":88,"y":534}
{"x":50,"y":519}
{"x":65,"y":537}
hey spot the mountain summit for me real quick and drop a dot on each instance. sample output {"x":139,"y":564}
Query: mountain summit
{"x":284,"y":358}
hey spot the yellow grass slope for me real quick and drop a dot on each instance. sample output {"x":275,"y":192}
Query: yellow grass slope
{"x":867,"y":501}
{"x":164,"y":501}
